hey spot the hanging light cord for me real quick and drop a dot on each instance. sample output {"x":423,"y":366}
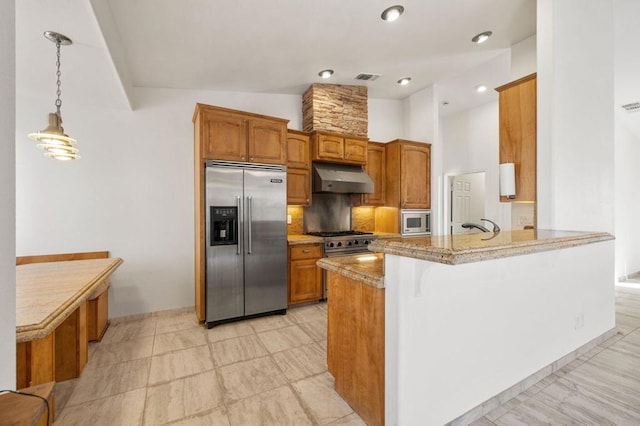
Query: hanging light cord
{"x":58,"y":74}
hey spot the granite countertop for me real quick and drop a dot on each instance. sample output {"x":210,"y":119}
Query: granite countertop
{"x":294,"y":239}
{"x":366,"y":268}
{"x":47,"y":293}
{"x":466,"y":248}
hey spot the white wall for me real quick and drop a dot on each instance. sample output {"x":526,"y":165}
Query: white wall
{"x":627,"y":138}
{"x":523,"y":58}
{"x":132,"y":191}
{"x":472,"y":145}
{"x":385,"y":119}
{"x":422,"y":124}
{"x":575,"y":115}
{"x":7,"y":195}
{"x":459,"y":335}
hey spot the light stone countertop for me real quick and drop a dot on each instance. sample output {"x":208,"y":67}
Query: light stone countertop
{"x":466,"y":248}
{"x":366,"y":268}
{"x":294,"y":239}
{"x":47,"y":293}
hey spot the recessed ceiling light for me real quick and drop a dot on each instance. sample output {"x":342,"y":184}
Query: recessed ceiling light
{"x":404,"y":81}
{"x":392,"y":13}
{"x":482,"y":37}
{"x":325,"y":73}
{"x":481,"y":88}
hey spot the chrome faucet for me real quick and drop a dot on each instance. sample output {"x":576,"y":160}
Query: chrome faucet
{"x":496,"y":228}
{"x":469,"y":225}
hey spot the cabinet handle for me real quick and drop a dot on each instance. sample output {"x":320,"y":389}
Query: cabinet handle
{"x":242,"y":158}
{"x":251,"y":158}
{"x":306,"y":251}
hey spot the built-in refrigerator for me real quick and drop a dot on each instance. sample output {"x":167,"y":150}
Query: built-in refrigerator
{"x":246,"y":240}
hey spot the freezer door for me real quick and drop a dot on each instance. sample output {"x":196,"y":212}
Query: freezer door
{"x":224,"y":272}
{"x":265,"y":239}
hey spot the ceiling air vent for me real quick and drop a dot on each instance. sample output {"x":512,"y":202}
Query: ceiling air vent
{"x":366,"y":77}
{"x":632,"y":107}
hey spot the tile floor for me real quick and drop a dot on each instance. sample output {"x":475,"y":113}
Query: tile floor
{"x":167,"y":369}
{"x":164,"y":368}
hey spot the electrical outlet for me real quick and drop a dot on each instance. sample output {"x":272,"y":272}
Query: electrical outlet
{"x":289,"y":219}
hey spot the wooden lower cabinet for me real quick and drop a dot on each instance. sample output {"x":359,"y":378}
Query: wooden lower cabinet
{"x":98,"y":316}
{"x":355,"y":345}
{"x":305,"y":277}
{"x":59,"y":356}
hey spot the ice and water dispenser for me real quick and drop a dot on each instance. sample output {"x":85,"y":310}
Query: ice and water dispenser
{"x":224,"y":225}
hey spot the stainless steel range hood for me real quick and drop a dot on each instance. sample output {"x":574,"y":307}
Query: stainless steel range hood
{"x":341,"y":179}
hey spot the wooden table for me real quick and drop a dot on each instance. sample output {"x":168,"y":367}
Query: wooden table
{"x":51,"y":317}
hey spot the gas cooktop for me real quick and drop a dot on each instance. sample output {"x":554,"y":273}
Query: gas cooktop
{"x":338,"y":233}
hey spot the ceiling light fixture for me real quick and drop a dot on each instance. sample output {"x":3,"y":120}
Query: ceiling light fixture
{"x":482,"y":37}
{"x":325,"y":73}
{"x":481,"y":88}
{"x":53,"y":140}
{"x":404,"y":81}
{"x":392,"y":13}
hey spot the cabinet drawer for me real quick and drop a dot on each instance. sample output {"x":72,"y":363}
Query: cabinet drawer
{"x":309,"y":251}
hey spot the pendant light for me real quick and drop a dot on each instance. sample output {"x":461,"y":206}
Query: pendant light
{"x":53,"y":140}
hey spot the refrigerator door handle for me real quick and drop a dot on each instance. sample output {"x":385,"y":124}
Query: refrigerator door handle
{"x":249,"y":221}
{"x":239,"y":245}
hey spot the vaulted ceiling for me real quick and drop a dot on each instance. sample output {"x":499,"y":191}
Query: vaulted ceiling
{"x":257,"y":46}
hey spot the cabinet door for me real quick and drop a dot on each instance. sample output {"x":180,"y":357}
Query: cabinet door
{"x":329,"y":147}
{"x":298,"y":187}
{"x":306,"y":281}
{"x":376,"y":168}
{"x":267,"y":141}
{"x":305,"y":278}
{"x":517,"y":106}
{"x":415,"y":182}
{"x":298,"y":151}
{"x":224,"y":136}
{"x":355,"y":151}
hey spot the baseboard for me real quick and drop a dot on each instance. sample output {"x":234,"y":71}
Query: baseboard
{"x":504,"y":396}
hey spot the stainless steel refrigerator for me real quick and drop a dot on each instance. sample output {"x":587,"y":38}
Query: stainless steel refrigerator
{"x":246,"y":240}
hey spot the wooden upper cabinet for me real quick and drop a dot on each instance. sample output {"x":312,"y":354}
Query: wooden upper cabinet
{"x":355,"y":150}
{"x":267,"y":140}
{"x":338,"y":148}
{"x":298,"y":149}
{"x":226,"y":134}
{"x":376,"y":170}
{"x":408,"y":174}
{"x":298,"y":168}
{"x":517,"y":110}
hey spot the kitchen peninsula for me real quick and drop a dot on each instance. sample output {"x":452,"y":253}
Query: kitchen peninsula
{"x":471,"y":320}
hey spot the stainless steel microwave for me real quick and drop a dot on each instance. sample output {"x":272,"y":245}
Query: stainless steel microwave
{"x":415,"y":222}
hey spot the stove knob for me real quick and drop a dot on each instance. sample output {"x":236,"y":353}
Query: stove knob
{"x":330,"y":244}
{"x":366,"y":242}
{"x":339,"y":244}
{"x":349,"y":243}
{"x":356,"y":242}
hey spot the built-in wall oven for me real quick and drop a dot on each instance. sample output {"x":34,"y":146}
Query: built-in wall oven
{"x":342,"y":243}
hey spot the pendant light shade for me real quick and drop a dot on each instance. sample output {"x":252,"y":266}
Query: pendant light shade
{"x":53,"y":140}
